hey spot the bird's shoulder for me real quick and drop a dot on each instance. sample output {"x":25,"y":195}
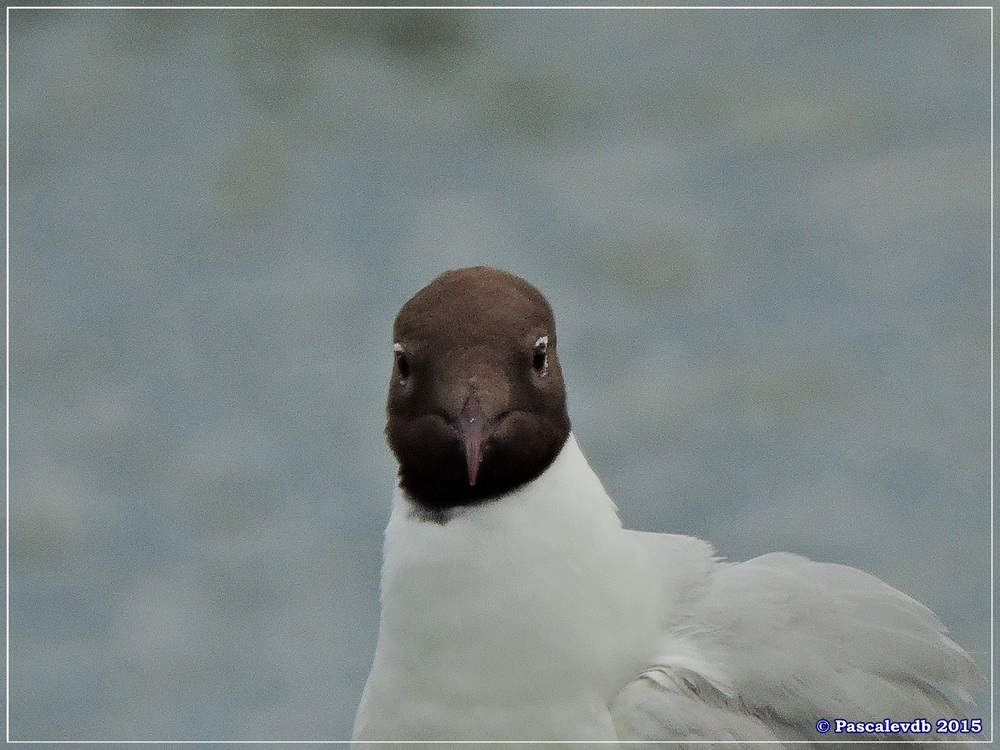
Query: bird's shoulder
{"x":763,"y":649}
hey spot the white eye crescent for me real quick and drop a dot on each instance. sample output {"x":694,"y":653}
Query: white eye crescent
{"x":402,"y":363}
{"x":540,"y":357}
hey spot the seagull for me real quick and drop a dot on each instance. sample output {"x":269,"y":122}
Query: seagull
{"x":515,"y":606}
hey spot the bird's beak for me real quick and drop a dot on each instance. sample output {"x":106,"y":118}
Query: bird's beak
{"x":474,"y":429}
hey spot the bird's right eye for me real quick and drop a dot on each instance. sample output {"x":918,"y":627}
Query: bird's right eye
{"x":540,"y":357}
{"x":402,"y":363}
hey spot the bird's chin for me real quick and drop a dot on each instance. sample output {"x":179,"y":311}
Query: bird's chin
{"x":518,"y":449}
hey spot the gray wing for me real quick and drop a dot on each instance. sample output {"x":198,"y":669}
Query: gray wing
{"x":768,"y":647}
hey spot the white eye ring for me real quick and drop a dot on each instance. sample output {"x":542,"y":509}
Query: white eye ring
{"x":540,"y":357}
{"x":402,"y":364}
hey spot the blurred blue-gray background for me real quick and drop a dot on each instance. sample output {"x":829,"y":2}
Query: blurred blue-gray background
{"x":765,"y":234}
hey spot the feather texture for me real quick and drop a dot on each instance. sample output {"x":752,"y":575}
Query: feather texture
{"x":768,"y":647}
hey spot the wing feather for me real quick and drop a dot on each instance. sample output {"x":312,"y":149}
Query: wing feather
{"x":763,"y":649}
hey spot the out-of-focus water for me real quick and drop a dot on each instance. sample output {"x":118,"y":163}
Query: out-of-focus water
{"x":765,"y":234}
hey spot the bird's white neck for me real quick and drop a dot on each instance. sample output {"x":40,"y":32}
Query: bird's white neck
{"x":537,"y":588}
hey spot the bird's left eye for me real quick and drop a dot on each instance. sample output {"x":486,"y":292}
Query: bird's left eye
{"x":402,"y":363}
{"x":540,"y":357}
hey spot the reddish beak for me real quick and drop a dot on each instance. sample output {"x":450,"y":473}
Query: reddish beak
{"x":474,"y":429}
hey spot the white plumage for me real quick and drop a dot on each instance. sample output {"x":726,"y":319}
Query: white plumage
{"x":538,"y":617}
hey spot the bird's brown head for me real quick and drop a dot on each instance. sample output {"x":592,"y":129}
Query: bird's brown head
{"x":477,"y":405}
